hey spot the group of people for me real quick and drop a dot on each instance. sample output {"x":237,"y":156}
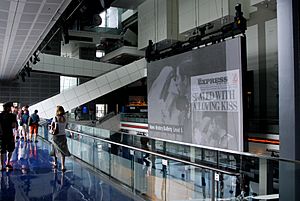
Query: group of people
{"x":16,"y":123}
{"x":27,"y":124}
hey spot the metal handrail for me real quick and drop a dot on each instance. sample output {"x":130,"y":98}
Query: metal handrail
{"x":158,"y":154}
{"x":212,"y":148}
{"x":193,"y":145}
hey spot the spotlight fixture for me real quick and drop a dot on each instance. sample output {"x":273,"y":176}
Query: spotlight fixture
{"x":31,"y":59}
{"x":34,"y":59}
{"x":37,"y":57}
{"x":22,"y":74}
{"x":27,"y":69}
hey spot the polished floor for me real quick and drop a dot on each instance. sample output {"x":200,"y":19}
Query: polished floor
{"x":33,"y":178}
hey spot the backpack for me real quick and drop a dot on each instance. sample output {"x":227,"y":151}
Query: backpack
{"x":25,"y":118}
{"x":35,"y":118}
{"x":54,"y":127}
{"x":30,"y":121}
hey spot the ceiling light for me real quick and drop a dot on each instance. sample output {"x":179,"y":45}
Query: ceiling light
{"x":28,"y":70}
{"x":22,"y":74}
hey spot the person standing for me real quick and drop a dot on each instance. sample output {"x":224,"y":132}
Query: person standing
{"x":59,"y":139}
{"x":20,"y":124}
{"x":33,"y":123}
{"x":8,"y":122}
{"x":14,"y":111}
{"x":25,"y":118}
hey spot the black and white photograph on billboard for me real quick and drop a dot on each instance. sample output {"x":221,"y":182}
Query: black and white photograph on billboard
{"x":170,"y":108}
{"x":169,"y":96}
{"x":215,"y":106}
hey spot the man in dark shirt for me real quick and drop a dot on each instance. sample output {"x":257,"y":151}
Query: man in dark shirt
{"x":8,"y":122}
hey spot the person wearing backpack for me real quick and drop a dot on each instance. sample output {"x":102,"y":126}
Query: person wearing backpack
{"x":25,"y":118}
{"x":33,"y":123}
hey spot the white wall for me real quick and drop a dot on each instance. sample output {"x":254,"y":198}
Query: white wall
{"x":157,"y":21}
{"x":72,"y":66}
{"x":199,"y":12}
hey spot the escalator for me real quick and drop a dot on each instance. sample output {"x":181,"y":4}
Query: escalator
{"x":92,"y":89}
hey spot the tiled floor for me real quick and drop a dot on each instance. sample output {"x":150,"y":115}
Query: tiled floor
{"x":34,"y":179}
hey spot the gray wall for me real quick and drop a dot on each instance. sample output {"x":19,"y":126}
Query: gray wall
{"x":36,"y":88}
{"x":263,"y":60}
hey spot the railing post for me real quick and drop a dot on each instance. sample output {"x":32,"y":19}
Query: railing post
{"x":192,"y":159}
{"x":265,"y":177}
{"x":109,"y":169}
{"x":164,"y":170}
{"x":132,"y":170}
{"x":213,"y":192}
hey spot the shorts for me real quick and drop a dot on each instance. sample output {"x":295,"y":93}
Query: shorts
{"x":7,"y":145}
{"x":25,"y":128}
{"x":33,"y":129}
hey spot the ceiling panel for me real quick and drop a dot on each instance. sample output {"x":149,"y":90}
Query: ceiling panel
{"x":3,"y":24}
{"x":20,"y":42}
{"x":44,"y":18}
{"x":4,"y":5}
{"x":54,"y":1}
{"x":39,"y":25}
{"x":49,"y":9}
{"x":20,"y":38}
{"x":34,"y":1}
{"x":22,"y":32}
{"x":3,"y":15}
{"x":36,"y":32}
{"x":27,"y":17}
{"x":22,"y":23}
{"x":2,"y":31}
{"x":25,"y":25}
{"x":31,"y":8}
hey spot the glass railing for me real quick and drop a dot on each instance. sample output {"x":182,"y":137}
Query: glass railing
{"x":157,"y":169}
{"x":134,"y":117}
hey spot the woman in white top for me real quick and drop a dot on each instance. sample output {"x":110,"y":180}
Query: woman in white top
{"x":59,"y":123}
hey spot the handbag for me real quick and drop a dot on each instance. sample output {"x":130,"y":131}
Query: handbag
{"x":54,"y":127}
{"x":52,"y":152}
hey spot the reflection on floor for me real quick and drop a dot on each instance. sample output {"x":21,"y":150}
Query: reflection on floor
{"x":34,"y":179}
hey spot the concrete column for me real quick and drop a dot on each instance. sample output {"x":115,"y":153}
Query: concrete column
{"x":289,"y":97}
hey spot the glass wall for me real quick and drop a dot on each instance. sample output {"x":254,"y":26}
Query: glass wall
{"x":110,"y":18}
{"x":262,"y":68}
{"x":262,"y":99}
{"x":159,"y":170}
{"x":101,"y":110}
{"x":67,"y":82}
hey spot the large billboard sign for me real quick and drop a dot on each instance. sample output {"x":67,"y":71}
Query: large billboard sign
{"x":196,"y":97}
